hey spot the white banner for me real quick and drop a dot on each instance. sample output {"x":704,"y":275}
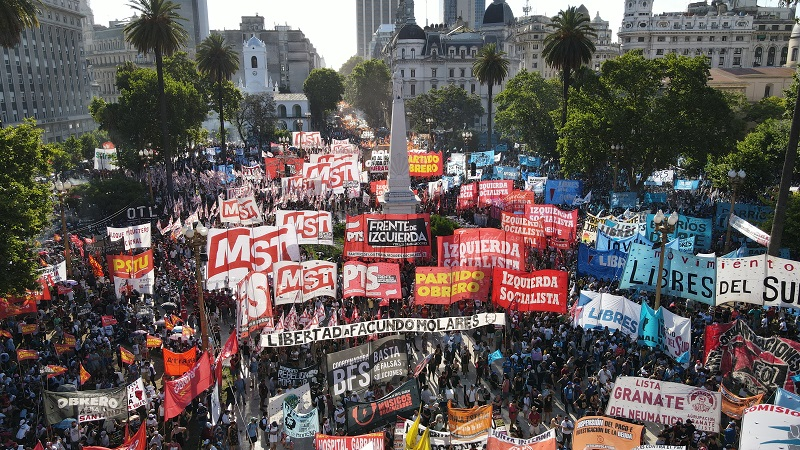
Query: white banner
{"x":299,"y":282}
{"x":306,"y":139}
{"x":648,"y":400}
{"x":762,"y":280}
{"x":105,"y":158}
{"x":770,"y":427}
{"x":382,"y":326}
{"x":253,"y":311}
{"x":749,"y":230}
{"x":138,"y":236}
{"x":301,"y":395}
{"x":440,"y":440}
{"x":612,"y":311}
{"x":143,"y":285}
{"x":677,"y":333}
{"x":535,"y":184}
{"x":313,"y":227}
{"x":137,"y":396}
{"x":54,"y":274}
{"x":243,"y":210}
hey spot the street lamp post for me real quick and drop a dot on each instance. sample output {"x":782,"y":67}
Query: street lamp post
{"x":429,"y":121}
{"x":467,"y":135}
{"x":616,"y":148}
{"x":61,"y":190}
{"x":736,"y":179}
{"x":300,"y":127}
{"x":664,"y":228}
{"x":147,"y":155}
{"x":196,"y":237}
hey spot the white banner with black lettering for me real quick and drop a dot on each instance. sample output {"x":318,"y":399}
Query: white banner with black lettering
{"x":762,"y":280}
{"x":137,"y":236}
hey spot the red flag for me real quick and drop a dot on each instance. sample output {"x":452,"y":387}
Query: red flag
{"x":176,"y":364}
{"x":23,"y":355}
{"x":137,"y":442}
{"x":53,"y":370}
{"x":38,"y":446}
{"x":126,"y":356}
{"x":179,"y":393}
{"x":153,"y":341}
{"x":85,"y":375}
{"x":108,"y":320}
{"x":229,"y":349}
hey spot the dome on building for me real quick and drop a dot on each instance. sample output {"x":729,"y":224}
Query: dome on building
{"x":411,"y":31}
{"x":583,"y":10}
{"x":795,"y":31}
{"x":597,"y":18}
{"x":498,"y":13}
{"x":255,"y":42}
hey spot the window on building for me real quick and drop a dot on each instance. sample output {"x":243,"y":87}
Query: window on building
{"x":712,"y":38}
{"x":660,"y":51}
{"x":721,"y":61}
{"x":686,"y":39}
{"x":771,"y":56}
{"x":413,"y":73}
{"x":434,"y":86}
{"x":627,"y":40}
{"x":757,"y":56}
{"x":402,"y":53}
{"x":737,"y":51}
{"x":661,"y":38}
{"x":402,"y":73}
{"x":254,"y":62}
{"x":699,"y":38}
{"x":452,"y":72}
{"x":762,"y":27}
{"x":413,"y":53}
{"x":472,"y":86}
{"x":640,"y":39}
{"x":433,"y":73}
{"x":462,"y":72}
{"x":794,"y":54}
{"x":767,"y":90}
{"x":724,"y":38}
{"x":739,"y":38}
{"x":784,"y":54}
{"x":413,"y":89}
{"x":674,"y":38}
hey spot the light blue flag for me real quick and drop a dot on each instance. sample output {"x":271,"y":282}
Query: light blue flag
{"x":494,"y":356}
{"x":649,"y":326}
{"x":787,"y":399}
{"x":684,"y":358}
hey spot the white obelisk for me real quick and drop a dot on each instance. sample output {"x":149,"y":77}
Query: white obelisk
{"x":398,"y":199}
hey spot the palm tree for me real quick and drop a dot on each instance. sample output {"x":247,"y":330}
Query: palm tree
{"x":218,"y":60}
{"x":157,"y":30}
{"x":490,"y":68}
{"x":569,"y":47}
{"x":15,"y":17}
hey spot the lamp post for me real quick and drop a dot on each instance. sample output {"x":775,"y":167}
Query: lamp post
{"x":147,"y":155}
{"x":196,"y":237}
{"x":736,"y":179}
{"x":467,"y":135}
{"x":616,"y":148}
{"x":429,"y":121}
{"x":664,"y":227}
{"x":61,"y":190}
{"x":300,"y":127}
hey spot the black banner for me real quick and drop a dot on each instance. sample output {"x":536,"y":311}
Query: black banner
{"x":357,"y":368}
{"x":390,"y":232}
{"x":287,"y":376}
{"x":363,"y":417}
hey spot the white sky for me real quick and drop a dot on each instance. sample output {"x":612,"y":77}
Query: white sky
{"x":331,"y":27}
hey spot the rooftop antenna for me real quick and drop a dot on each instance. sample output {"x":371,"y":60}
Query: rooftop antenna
{"x":527,"y":8}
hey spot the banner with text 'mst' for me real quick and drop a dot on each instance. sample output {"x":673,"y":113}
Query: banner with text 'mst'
{"x":654,"y":401}
{"x":253,"y":303}
{"x":446,"y":285}
{"x":482,"y":247}
{"x":556,"y":222}
{"x":235,"y":252}
{"x":295,"y":282}
{"x":313,"y":227}
{"x":531,"y":231}
{"x":489,"y":190}
{"x":306,"y":139}
{"x":605,"y":432}
{"x":763,"y":280}
{"x":425,"y":164}
{"x":542,"y":290}
{"x":381,"y":280}
{"x":388,"y":236}
{"x":180,"y":392}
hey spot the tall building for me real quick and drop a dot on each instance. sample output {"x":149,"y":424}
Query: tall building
{"x":196,"y":24}
{"x":109,"y":50}
{"x":290,"y":54}
{"x":46,"y":77}
{"x":470,"y":12}
{"x":370,"y":14}
{"x":730,"y":33}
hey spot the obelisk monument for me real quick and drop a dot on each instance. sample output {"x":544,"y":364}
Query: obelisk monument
{"x":398,"y":199}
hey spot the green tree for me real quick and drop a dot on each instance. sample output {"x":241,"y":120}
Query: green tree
{"x":656,"y":110}
{"x":104,"y":197}
{"x":349,"y":65}
{"x":568,"y":47}
{"x":255,"y":119}
{"x":449,"y":106}
{"x":524,"y":111}
{"x":490,"y":68}
{"x":219,"y":61}
{"x":766,"y":108}
{"x":791,"y":232}
{"x":15,"y":17}
{"x":324,"y":89}
{"x":157,"y":30}
{"x":368,"y":89}
{"x":25,"y":203}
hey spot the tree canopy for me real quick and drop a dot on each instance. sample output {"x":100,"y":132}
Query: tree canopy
{"x":490,"y":68}
{"x":449,"y":106}
{"x":324,"y":89}
{"x":15,"y":17}
{"x":524,"y":111}
{"x":255,"y":118}
{"x":368,"y":88}
{"x":349,"y":65}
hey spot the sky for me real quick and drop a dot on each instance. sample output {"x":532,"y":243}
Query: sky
{"x":331,"y":24}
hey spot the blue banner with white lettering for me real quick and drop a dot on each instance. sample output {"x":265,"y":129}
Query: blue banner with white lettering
{"x":685,"y":275}
{"x":482,"y":159}
{"x":605,"y":243}
{"x":649,"y":326}
{"x":530,"y":161}
{"x":601,"y":265}
{"x":560,"y":192}
{"x":506,"y":173}
{"x":755,"y":214}
{"x":622,"y":199}
{"x":687,"y":185}
{"x":687,"y":226}
{"x":655,"y":197}
{"x":501,"y":147}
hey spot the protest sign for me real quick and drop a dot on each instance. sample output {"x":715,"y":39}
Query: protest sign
{"x":364,"y":416}
{"x":376,"y":362}
{"x":482,"y":247}
{"x":613,"y":311}
{"x":769,"y":427}
{"x":531,"y":231}
{"x":380,"y":280}
{"x":86,"y":406}
{"x":560,"y":192}
{"x":313,"y":227}
{"x":605,"y":432}
{"x":291,"y":376}
{"x":606,"y":265}
{"x":446,"y":285}
{"x":388,"y":236}
{"x":467,"y":423}
{"x":542,"y":290}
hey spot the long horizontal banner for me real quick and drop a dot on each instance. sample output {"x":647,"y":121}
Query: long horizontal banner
{"x":557,"y":222}
{"x":373,"y":441}
{"x":559,"y":192}
{"x":425,"y":164}
{"x":388,"y":236}
{"x":541,"y":290}
{"x":138,"y":236}
{"x":544,"y":441}
{"x":654,"y":401}
{"x":531,"y":231}
{"x":763,"y":280}
{"x":467,"y":423}
{"x":289,"y":376}
{"x":235,"y":252}
{"x":482,"y":247}
{"x":376,"y":362}
{"x":85,"y":406}
{"x":687,"y":226}
{"x":363,"y":417}
{"x":382,"y":326}
{"x":769,"y":427}
{"x":130,"y":266}
{"x":606,"y":265}
{"x":440,"y":440}
{"x":446,"y":285}
{"x":489,"y":190}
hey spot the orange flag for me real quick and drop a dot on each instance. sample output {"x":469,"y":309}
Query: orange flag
{"x":22,"y":355}
{"x":53,"y":370}
{"x":153,"y":341}
{"x":126,"y":356}
{"x":85,"y":375}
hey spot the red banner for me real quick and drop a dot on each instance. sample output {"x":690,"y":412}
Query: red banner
{"x":482,"y":247}
{"x":531,"y":231}
{"x":388,"y":236}
{"x":425,"y":164}
{"x":374,"y":441}
{"x":8,"y":307}
{"x":380,"y":280}
{"x":467,"y":196}
{"x":137,"y":442}
{"x":107,"y":321}
{"x":544,"y":441}
{"x":179,"y":393}
{"x":445,"y":285}
{"x":557,"y":223}
{"x":176,"y":364}
{"x":63,"y":348}
{"x":542,"y":290}
{"x":298,"y":282}
{"x":153,"y":341}
{"x":493,"y":189}
{"x":23,"y":355}
{"x":276,"y":167}
{"x":28,"y":328}
{"x":130,"y":266}
{"x":378,"y":188}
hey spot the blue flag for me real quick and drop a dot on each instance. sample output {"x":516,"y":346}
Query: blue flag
{"x":494,"y":356}
{"x":649,"y":326}
{"x":787,"y":399}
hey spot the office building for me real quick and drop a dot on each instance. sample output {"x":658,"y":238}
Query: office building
{"x":371,"y":14}
{"x":470,"y":12}
{"x":196,"y":24}
{"x":108,"y":51}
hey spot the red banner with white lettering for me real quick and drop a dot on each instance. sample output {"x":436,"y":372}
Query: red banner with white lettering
{"x":467,"y":196}
{"x":489,"y":190}
{"x":380,"y":280}
{"x":9,"y":307}
{"x":130,"y":266}
{"x":313,"y":227}
{"x":446,"y":285}
{"x":180,"y":392}
{"x":176,"y":364}
{"x":298,"y":282}
{"x":276,"y":167}
{"x":532,"y":231}
{"x":425,"y":164}
{"x":378,"y":188}
{"x":542,"y":290}
{"x":557,"y":223}
{"x":482,"y":247}
{"x":388,"y":236}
